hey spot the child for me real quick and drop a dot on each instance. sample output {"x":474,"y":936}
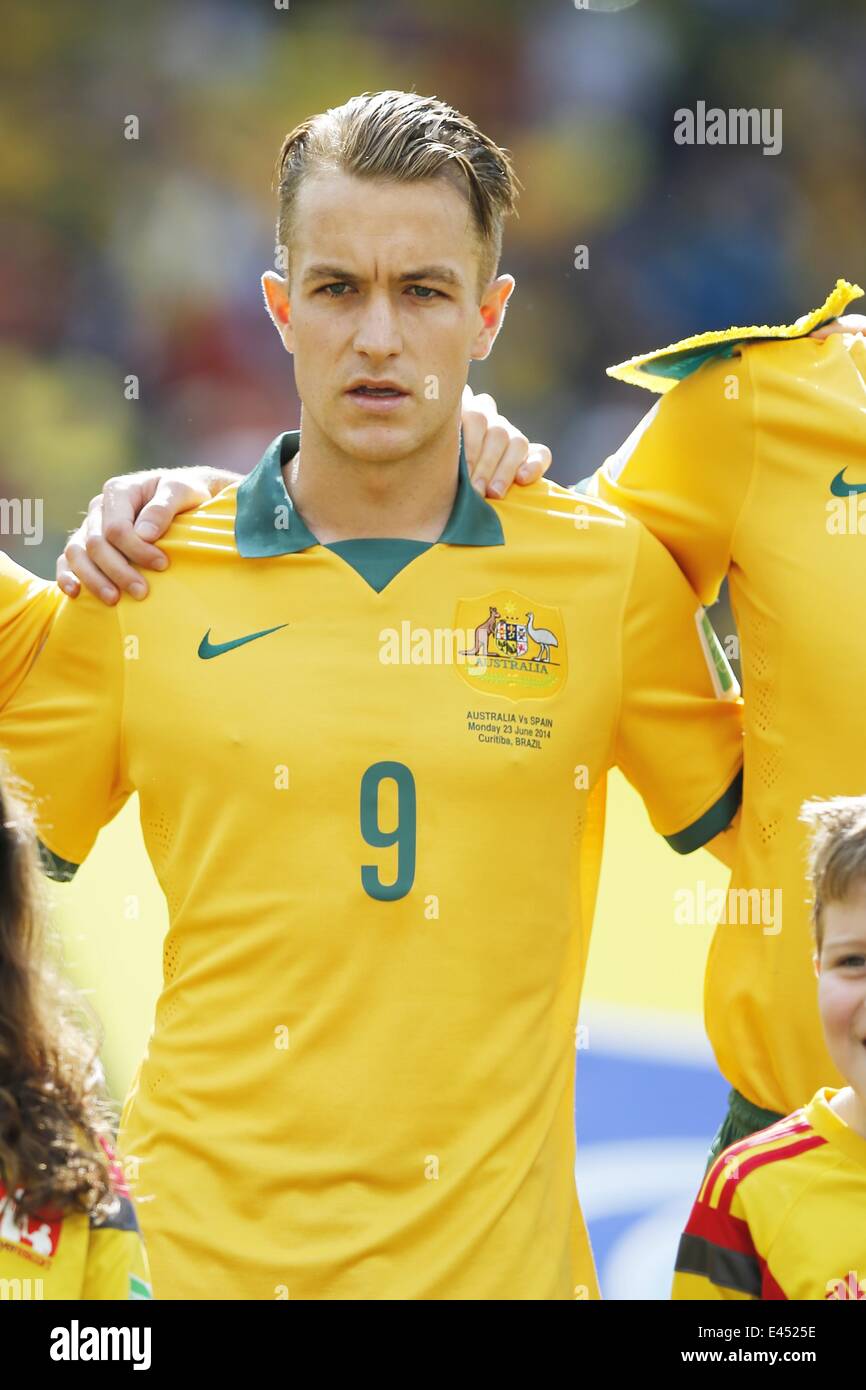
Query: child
{"x":782,"y":1215}
{"x":67,"y":1226}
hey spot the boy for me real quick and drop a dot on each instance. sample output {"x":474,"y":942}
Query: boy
{"x":780,"y":1215}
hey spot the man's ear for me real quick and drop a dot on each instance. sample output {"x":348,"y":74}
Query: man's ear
{"x":816,"y":964}
{"x":276,"y":291}
{"x":491,"y":312}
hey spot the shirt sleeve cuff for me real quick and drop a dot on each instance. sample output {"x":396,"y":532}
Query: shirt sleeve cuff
{"x":712,"y":822}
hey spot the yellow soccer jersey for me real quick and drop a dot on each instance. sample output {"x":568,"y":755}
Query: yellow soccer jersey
{"x":365,"y":800}
{"x":779,"y":1215}
{"x":73,"y":1256}
{"x":754,"y":467}
{"x":27,"y":609}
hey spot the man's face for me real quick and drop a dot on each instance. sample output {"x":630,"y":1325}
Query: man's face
{"x":384,"y":289}
{"x":842,"y":987}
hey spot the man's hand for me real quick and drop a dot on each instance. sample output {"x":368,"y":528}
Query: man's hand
{"x":129,"y":514}
{"x":848,"y":323}
{"x":496,"y":452}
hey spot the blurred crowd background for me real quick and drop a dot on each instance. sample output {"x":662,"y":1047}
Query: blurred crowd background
{"x":142,"y":257}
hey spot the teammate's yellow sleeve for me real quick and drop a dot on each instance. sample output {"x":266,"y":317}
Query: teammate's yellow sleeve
{"x":679,"y":732}
{"x":684,"y":471}
{"x":28,"y":607}
{"x":62,"y":731}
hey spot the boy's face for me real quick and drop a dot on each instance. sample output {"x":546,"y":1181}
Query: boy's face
{"x":842,"y":986}
{"x":384,"y":288}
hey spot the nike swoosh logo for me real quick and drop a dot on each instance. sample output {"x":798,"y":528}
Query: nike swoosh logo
{"x":207,"y":649}
{"x":840,"y":488}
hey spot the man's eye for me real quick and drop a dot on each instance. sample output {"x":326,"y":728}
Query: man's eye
{"x":338,"y":285}
{"x":425,"y":292}
{"x":854,"y":962}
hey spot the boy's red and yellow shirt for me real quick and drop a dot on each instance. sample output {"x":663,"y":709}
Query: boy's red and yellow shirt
{"x":774,"y":1216}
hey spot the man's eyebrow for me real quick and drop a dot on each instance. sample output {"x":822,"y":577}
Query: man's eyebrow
{"x":441,"y":273}
{"x":328,"y":272}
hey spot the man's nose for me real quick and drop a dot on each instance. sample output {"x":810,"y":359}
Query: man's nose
{"x":378,"y":333}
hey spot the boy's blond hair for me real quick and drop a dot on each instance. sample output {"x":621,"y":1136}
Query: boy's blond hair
{"x":837,"y":854}
{"x":403,"y":137}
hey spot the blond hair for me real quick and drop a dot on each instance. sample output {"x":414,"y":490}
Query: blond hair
{"x":404,"y":137}
{"x":837,"y":853}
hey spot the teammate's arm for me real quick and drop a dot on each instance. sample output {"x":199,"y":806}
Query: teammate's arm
{"x":61,"y":732}
{"x":685,"y":469}
{"x":679,"y":728}
{"x":27,"y":609}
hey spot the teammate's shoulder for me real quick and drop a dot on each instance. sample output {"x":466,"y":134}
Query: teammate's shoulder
{"x":663,"y":368}
{"x":763,"y":1160}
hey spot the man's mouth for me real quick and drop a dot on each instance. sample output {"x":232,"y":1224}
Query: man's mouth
{"x":383,"y":392}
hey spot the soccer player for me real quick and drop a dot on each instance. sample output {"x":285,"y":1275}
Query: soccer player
{"x":780,"y":1214}
{"x":751,"y":466}
{"x":338,"y":706}
{"x":68,"y":1229}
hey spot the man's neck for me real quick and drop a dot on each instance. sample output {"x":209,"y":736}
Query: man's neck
{"x":342,"y":498}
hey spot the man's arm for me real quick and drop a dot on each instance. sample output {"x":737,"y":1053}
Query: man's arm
{"x":28,"y":607}
{"x":61,"y":732}
{"x":136,"y":509}
{"x":679,"y":730}
{"x":685,"y":469}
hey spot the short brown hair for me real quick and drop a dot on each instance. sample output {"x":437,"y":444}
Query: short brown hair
{"x":405,"y":137}
{"x":837,"y":854}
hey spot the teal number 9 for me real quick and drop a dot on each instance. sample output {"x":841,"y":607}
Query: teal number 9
{"x":403,"y":835}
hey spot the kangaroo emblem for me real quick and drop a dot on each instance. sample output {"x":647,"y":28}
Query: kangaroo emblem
{"x":483,"y":634}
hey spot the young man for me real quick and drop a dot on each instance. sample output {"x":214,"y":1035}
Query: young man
{"x":360,"y":1082}
{"x":780,"y":1214}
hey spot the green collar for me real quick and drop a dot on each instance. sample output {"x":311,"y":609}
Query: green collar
{"x":266,"y":522}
